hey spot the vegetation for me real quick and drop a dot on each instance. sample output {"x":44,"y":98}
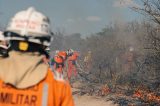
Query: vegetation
{"x":121,"y":54}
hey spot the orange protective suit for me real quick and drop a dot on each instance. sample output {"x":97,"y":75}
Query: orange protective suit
{"x":72,"y":64}
{"x":49,"y":92}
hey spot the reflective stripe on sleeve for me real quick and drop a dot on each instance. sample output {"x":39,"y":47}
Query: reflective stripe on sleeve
{"x":45,"y":95}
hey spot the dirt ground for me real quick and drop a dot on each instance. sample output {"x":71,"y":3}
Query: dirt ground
{"x":91,"y":101}
{"x":86,"y":100}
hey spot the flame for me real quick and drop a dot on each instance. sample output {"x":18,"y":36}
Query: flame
{"x":138,"y":94}
{"x":147,"y":96}
{"x":104,"y":90}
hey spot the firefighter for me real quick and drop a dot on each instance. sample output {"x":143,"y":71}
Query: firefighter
{"x":25,"y":79}
{"x":3,"y":46}
{"x":58,"y":63}
{"x":72,"y":64}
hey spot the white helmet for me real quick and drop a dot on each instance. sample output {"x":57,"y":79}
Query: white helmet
{"x":69,"y":52}
{"x":57,"y":51}
{"x":30,"y":24}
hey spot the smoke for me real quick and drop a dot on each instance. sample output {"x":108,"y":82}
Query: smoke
{"x":125,"y":33}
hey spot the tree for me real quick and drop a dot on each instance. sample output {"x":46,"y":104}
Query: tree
{"x":150,"y":8}
{"x":150,"y":66}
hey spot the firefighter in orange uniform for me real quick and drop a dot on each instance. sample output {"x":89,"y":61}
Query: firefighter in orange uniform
{"x":72,"y":64}
{"x":58,"y":63}
{"x":25,"y":79}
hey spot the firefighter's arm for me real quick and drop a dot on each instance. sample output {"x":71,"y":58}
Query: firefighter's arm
{"x":67,"y":96}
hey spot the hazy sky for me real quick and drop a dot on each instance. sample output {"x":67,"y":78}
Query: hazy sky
{"x":73,"y":16}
